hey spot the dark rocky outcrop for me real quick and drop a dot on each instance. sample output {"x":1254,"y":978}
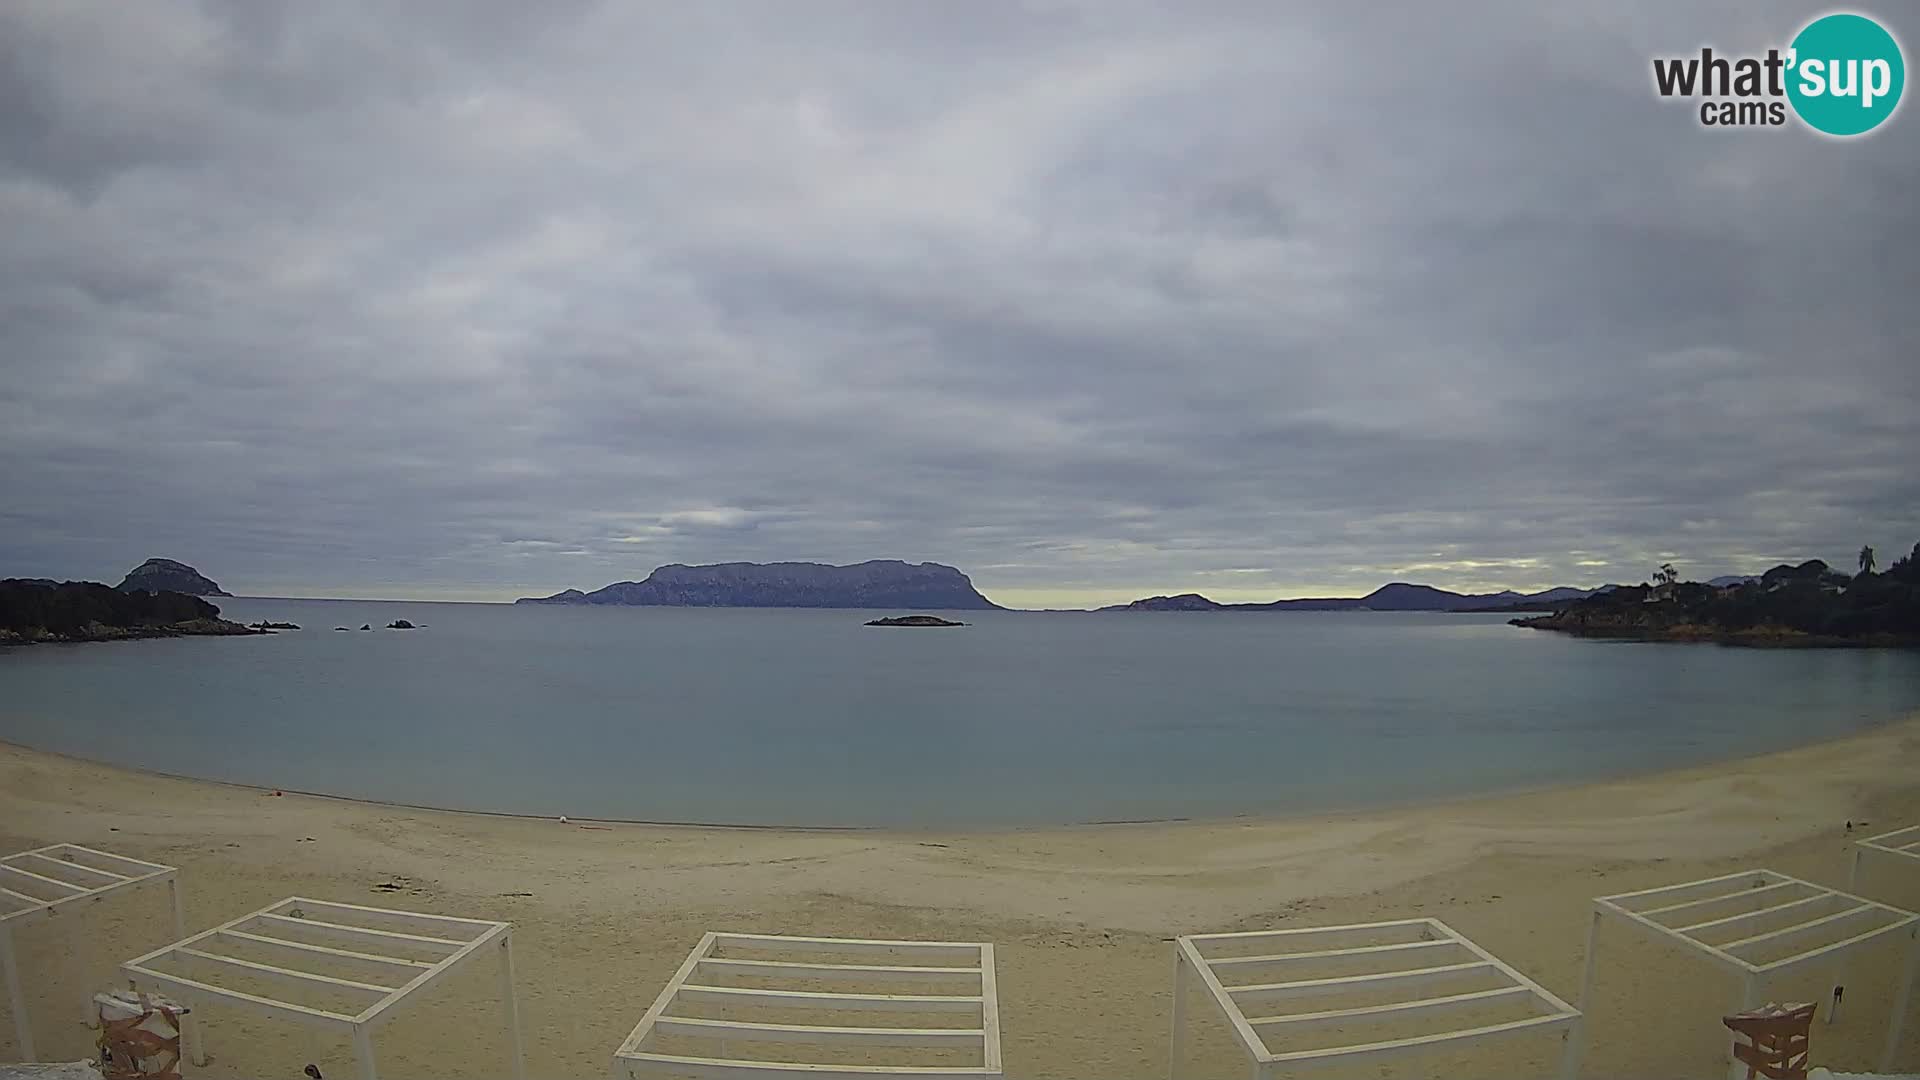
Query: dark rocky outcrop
{"x":265,"y":625}
{"x":401,"y":624}
{"x":880,"y":583}
{"x":36,"y":611}
{"x":914,"y":620}
{"x":1807,"y":604}
{"x":166,"y":575}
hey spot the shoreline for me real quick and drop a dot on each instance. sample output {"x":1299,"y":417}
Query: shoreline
{"x":1410,"y":804}
{"x":1081,"y":916}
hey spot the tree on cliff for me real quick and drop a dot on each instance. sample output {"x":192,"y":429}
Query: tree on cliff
{"x":1866,"y":559}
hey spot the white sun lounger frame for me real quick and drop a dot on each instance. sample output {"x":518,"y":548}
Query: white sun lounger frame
{"x":361,"y":934}
{"x":1898,"y":844}
{"x":55,"y":880}
{"x":979,"y":997}
{"x":1426,"y":940}
{"x":1716,"y":904}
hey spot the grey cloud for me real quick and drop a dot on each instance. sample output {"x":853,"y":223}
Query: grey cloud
{"x":1090,"y":299}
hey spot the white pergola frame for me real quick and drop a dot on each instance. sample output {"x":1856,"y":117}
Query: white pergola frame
{"x":979,"y":997}
{"x":363,"y":932}
{"x":1721,"y":904}
{"x":49,"y":881}
{"x":1433,"y":952}
{"x":1898,"y":844}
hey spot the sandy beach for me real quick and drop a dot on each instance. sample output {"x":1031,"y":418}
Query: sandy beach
{"x":1082,"y":916}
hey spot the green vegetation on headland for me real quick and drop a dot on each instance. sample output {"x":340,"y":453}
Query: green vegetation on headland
{"x":43,"y":611}
{"x":1809,"y":605}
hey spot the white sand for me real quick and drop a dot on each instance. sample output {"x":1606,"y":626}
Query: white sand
{"x":1083,"y":915}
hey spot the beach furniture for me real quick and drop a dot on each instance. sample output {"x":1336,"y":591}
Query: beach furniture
{"x":1900,"y":845}
{"x":63,"y":879}
{"x":1773,"y":1040}
{"x":339,"y":967}
{"x":821,"y":1009}
{"x":1759,"y":925}
{"x":1389,"y":988}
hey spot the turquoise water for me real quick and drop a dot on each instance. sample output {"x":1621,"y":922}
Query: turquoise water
{"x":810,"y":718}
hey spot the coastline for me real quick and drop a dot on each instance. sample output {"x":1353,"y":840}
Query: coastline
{"x":1408,"y":805}
{"x":1082,"y":913}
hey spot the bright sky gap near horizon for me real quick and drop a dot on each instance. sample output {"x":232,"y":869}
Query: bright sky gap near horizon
{"x":1091,"y":301}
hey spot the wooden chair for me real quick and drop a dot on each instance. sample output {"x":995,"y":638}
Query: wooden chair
{"x":1776,"y":1040}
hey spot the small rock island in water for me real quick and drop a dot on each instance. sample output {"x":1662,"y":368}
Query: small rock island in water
{"x":915,"y":620}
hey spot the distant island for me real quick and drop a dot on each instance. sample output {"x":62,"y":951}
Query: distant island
{"x":34,"y":610}
{"x":879,"y":583}
{"x":1394,"y":596}
{"x":167,"y":575}
{"x":1809,"y":605}
{"x":914,"y":620}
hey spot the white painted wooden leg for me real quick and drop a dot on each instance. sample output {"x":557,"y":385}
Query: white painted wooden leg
{"x":1179,"y":1014}
{"x":510,"y":1005}
{"x":1897,"y":1023}
{"x":1571,"y":1043}
{"x":363,"y":1051}
{"x":1576,"y":1048}
{"x":17,"y":1001}
{"x":193,"y":1040}
{"x":79,"y":962}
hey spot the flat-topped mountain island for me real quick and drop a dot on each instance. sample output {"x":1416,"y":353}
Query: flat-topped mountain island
{"x":877,"y":583}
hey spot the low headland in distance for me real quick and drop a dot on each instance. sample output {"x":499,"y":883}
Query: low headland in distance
{"x":1805,"y":604}
{"x":158,"y":598}
{"x":154,"y":601}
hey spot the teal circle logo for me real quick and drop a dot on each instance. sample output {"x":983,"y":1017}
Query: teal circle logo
{"x":1845,"y":75}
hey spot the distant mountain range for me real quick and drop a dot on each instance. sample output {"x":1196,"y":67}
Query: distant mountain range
{"x":879,"y":583}
{"x":1395,"y":596}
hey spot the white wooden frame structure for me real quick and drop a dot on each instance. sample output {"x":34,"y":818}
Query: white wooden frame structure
{"x":1899,"y":844}
{"x":1427,"y":951}
{"x":974,"y":995}
{"x":1733,"y":918}
{"x":368,"y":938}
{"x":50,"y":881}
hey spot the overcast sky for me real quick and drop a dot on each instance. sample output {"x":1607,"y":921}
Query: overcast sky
{"x":1092,"y":300}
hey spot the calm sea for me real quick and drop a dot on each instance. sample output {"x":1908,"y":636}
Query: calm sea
{"x":810,"y":718}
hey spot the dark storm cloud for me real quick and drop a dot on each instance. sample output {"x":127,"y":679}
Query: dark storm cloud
{"x":1090,"y":300}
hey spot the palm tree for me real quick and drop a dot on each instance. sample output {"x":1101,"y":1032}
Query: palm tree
{"x":1866,"y":560}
